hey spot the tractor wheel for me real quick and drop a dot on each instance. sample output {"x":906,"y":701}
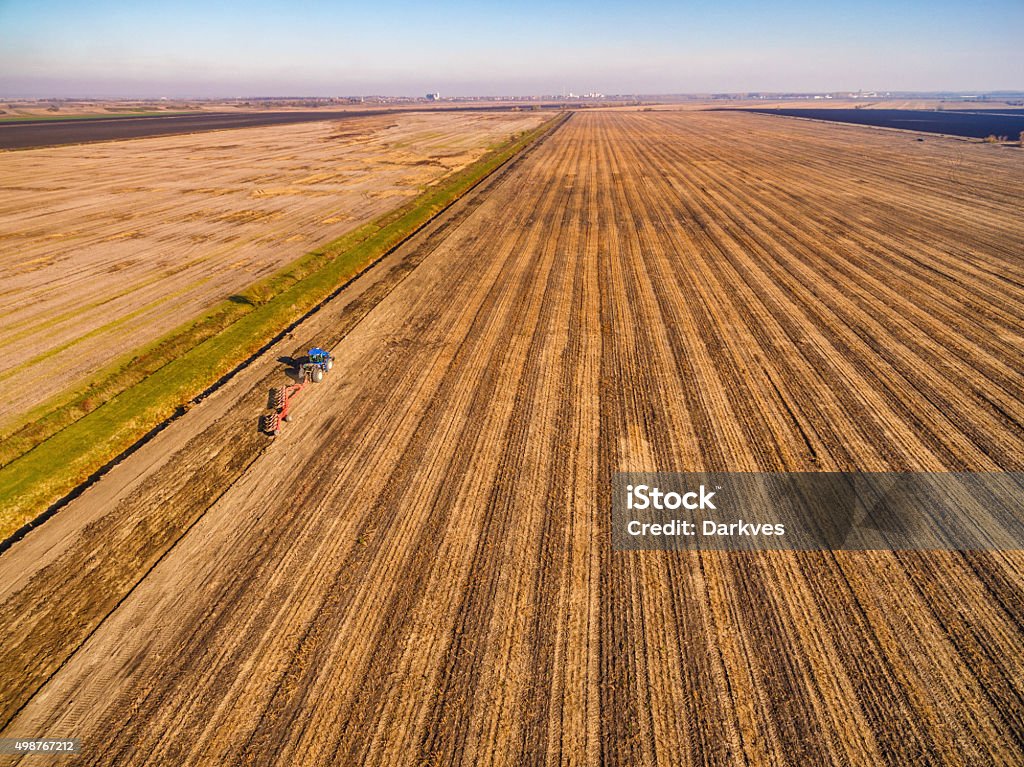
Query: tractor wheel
{"x":318,"y":375}
{"x":330,"y":362}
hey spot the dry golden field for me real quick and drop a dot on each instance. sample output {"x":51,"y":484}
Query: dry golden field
{"x":418,"y":571}
{"x":104,"y":247}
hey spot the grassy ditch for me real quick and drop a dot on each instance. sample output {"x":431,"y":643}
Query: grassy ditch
{"x":60,"y":444}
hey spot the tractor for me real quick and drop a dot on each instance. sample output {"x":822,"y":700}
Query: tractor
{"x":317,"y":363}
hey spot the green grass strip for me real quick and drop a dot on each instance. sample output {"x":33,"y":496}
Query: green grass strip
{"x":70,"y":441}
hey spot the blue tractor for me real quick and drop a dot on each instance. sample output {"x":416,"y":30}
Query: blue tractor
{"x":318,"y":362}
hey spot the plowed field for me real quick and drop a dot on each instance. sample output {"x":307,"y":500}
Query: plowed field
{"x":418,"y":570}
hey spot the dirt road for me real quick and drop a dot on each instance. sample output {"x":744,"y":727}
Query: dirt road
{"x":418,"y":570}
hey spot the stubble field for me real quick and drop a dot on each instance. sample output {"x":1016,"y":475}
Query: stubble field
{"x":107,"y":246}
{"x":418,"y":570}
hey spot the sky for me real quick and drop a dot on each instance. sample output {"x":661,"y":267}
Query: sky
{"x":212,"y":48}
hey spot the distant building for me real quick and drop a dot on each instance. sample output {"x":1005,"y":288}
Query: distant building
{"x":433,"y":97}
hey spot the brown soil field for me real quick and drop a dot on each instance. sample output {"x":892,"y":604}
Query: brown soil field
{"x":108,"y":246}
{"x":418,"y":570}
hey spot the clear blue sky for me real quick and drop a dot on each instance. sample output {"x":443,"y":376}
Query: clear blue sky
{"x":315,"y":47}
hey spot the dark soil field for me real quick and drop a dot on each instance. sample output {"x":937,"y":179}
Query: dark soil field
{"x":967,"y":124}
{"x":418,"y":570}
{"x":27,"y":134}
